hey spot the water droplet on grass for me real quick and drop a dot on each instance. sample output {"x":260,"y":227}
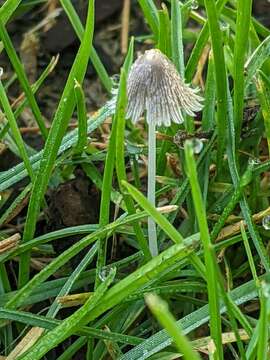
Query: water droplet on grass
{"x":224,"y":26}
{"x":104,"y":272}
{"x":266,"y":222}
{"x":194,"y":5}
{"x":254,"y":161}
{"x":197,"y":145}
{"x":145,"y":352}
{"x":115,"y":78}
{"x":115,"y":82}
{"x":265,"y":289}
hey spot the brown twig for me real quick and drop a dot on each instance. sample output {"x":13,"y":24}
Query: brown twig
{"x":51,"y":7}
{"x":125,"y":26}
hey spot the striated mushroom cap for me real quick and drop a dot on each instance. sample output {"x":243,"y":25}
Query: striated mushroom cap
{"x":155,"y":85}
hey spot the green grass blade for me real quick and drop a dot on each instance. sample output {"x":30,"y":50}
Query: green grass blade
{"x":78,"y":27}
{"x":234,"y":199}
{"x":200,"y":44}
{"x":129,"y":284}
{"x":263,"y":350}
{"x":263,"y":95}
{"x":73,"y":349}
{"x":220,"y":75}
{"x":120,"y":152}
{"x":183,"y":190}
{"x":7,"y":10}
{"x":209,"y":255}
{"x":104,"y":213}
{"x":67,"y":326}
{"x":244,"y":8}
{"x":208,"y":115}
{"x":249,"y":255}
{"x":17,"y":173}
{"x":175,"y":236}
{"x":164,"y":34}
{"x":58,"y":128}
{"x":177,"y":37}
{"x":164,"y":224}
{"x":49,"y":324}
{"x":55,"y":307}
{"x":143,"y":275}
{"x":256,"y":60}
{"x":15,"y":130}
{"x":14,"y":59}
{"x":160,"y":309}
{"x":151,"y":15}
{"x":36,"y":86}
{"x":82,"y":118}
{"x":161,"y":340}
{"x":258,"y":243}
{"x":51,"y":288}
{"x":50,"y":269}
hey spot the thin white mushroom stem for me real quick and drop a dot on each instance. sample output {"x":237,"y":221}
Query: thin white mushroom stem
{"x":151,"y":186}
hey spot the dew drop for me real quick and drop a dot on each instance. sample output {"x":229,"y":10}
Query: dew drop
{"x":224,"y":26}
{"x":104,"y":272}
{"x":266,"y":222}
{"x":145,"y":352}
{"x":197,"y":145}
{"x":254,"y":161}
{"x":116,"y":78}
{"x":194,"y":5}
{"x":265,"y":289}
{"x":115,"y":83}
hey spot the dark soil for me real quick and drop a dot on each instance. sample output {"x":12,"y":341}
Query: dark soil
{"x":75,"y":202}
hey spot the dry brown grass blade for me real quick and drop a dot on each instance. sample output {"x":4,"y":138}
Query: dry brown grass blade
{"x":204,"y":344}
{"x":74,"y":299}
{"x":19,"y":207}
{"x":28,"y":52}
{"x":9,"y":243}
{"x":198,"y":78}
{"x":27,"y":341}
{"x":234,"y":229}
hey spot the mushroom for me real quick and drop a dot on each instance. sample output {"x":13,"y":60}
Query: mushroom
{"x":155,"y":86}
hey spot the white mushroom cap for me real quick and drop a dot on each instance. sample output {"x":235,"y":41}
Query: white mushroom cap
{"x":155,"y":85}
